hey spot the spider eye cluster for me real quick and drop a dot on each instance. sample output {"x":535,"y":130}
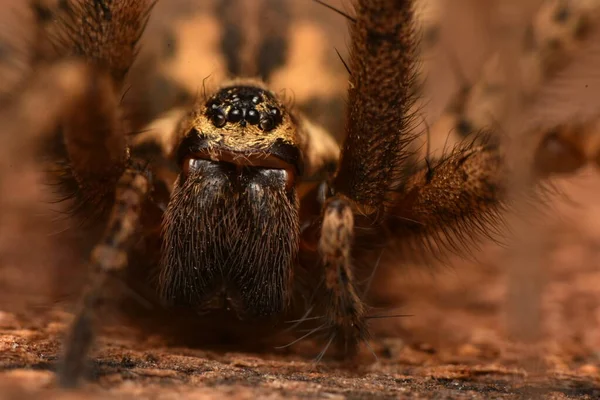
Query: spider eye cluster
{"x":244,"y":105}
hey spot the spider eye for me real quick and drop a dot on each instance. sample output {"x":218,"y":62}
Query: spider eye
{"x":238,"y":105}
{"x":235,"y":115}
{"x":253,"y":116}
{"x":212,"y":105}
{"x":267,"y":124}
{"x":275,"y":112}
{"x":218,"y":119}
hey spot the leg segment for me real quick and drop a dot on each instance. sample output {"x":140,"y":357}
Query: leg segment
{"x":107,"y":259}
{"x":344,"y":309}
{"x":450,"y":205}
{"x":95,"y":146}
{"x":80,"y":65}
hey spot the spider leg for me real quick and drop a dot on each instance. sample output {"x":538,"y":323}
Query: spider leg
{"x":449,"y":205}
{"x":96,"y":146}
{"x":108,"y":258}
{"x":81,"y":100}
{"x":382,"y":58}
{"x":378,"y":122}
{"x":445,"y":205}
{"x":345,"y":312}
{"x":98,"y":41}
{"x":92,"y":151}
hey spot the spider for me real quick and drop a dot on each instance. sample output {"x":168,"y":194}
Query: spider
{"x":243,"y":205}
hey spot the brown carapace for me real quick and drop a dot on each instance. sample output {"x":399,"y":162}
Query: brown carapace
{"x":242,"y":204}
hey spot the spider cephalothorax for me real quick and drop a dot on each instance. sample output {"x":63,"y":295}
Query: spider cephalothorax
{"x":251,"y":212}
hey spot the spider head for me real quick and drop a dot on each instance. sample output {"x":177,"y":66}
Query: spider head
{"x":231,"y":230}
{"x":246,"y":125}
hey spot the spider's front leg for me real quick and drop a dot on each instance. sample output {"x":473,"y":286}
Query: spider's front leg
{"x":108,"y":258}
{"x":382,"y":59}
{"x":83,"y":105}
{"x":97,"y":40}
{"x":379,"y":196}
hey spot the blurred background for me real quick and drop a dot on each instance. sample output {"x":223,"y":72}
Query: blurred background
{"x":526,"y":71}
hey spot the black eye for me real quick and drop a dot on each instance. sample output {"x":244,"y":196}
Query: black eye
{"x":253,"y":117}
{"x":266,"y":124}
{"x":256,"y":100}
{"x":218,"y":119}
{"x":235,"y":115}
{"x":275,"y":113}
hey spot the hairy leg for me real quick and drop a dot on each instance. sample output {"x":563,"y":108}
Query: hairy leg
{"x":95,"y":149}
{"x":97,"y":42}
{"x":108,"y":258}
{"x":344,"y":309}
{"x":56,"y":96}
{"x":381,"y":67}
{"x":378,"y":192}
{"x":450,"y":204}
